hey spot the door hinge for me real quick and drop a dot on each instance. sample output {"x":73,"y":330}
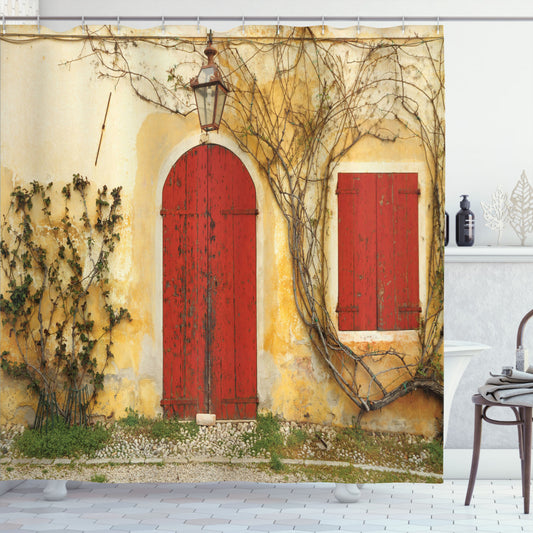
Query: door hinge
{"x":239,"y":212}
{"x":164,"y":212}
{"x":347,"y":309}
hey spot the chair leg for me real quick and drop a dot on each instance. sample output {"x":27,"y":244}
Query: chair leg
{"x":520,"y":417}
{"x":526,"y":473}
{"x":475,"y":453}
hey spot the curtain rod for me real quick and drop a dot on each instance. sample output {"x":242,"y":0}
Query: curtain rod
{"x":275,"y":19}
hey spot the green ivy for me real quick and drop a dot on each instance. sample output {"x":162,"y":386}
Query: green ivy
{"x":56,"y":271}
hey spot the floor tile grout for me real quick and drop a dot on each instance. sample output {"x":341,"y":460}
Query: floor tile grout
{"x":248,"y":507}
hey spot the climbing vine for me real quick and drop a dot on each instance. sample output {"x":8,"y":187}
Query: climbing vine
{"x":299,"y":103}
{"x":56,"y":303}
{"x":324,"y":99}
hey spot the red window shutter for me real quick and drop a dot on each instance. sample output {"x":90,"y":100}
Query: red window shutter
{"x":378,"y":251}
{"x":397,"y":251}
{"x":357,"y":252}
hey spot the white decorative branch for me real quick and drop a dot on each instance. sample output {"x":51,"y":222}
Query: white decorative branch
{"x":521,"y":214}
{"x":497,"y":212}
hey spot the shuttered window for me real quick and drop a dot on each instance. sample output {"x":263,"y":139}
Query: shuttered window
{"x":378,"y":251}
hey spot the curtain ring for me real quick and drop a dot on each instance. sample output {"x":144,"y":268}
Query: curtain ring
{"x":3,"y":23}
{"x":163,"y":24}
{"x":243,"y":24}
{"x":322,"y":24}
{"x":438,"y":24}
{"x":403,"y":24}
{"x":118,"y":24}
{"x":277,"y":27}
{"x":358,"y":26}
{"x":38,"y":24}
{"x":198,"y":24}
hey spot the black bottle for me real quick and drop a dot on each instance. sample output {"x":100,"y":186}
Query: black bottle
{"x":446,"y":228}
{"x":464,"y":224}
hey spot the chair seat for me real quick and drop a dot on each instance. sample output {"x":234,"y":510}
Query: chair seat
{"x":477,"y":399}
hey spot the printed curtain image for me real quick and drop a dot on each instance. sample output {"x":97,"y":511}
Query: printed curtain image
{"x":260,"y":299}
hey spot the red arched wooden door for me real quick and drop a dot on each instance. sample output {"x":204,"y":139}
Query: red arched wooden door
{"x":209,"y":272}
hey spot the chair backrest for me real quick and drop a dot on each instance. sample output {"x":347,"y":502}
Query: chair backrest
{"x":520,"y":352}
{"x":521,"y":328}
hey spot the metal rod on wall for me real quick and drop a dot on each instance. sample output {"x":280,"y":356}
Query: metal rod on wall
{"x":272,"y":19}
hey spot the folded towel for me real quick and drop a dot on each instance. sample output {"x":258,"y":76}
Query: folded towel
{"x":511,"y":387}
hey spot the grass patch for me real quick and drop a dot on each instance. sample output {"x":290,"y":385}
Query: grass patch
{"x":275,"y":463}
{"x":435,"y":452}
{"x":297,"y":437}
{"x":351,"y":474}
{"x":61,"y":440}
{"x":173,"y":428}
{"x":99,"y":478}
{"x":352,"y":433}
{"x":158,"y":428}
{"x":398,"y":450}
{"x":266,"y":436}
{"x":133,"y":420}
{"x":266,"y":439}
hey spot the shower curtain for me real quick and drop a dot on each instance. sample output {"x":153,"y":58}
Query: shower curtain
{"x":262,"y":301}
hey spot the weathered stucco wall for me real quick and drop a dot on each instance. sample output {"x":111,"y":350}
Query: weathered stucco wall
{"x":53,"y":103}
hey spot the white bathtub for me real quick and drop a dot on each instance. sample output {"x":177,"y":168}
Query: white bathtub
{"x":457,"y":355}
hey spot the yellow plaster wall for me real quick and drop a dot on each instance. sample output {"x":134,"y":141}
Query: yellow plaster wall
{"x":52,"y":117}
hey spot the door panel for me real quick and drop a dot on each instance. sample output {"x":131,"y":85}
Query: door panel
{"x":209,"y":272}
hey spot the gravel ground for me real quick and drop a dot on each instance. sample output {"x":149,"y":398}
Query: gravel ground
{"x":202,"y":472}
{"x":169,"y":473}
{"x":204,"y":453}
{"x":223,"y":439}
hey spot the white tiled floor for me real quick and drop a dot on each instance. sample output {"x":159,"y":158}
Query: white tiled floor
{"x":249,"y":507}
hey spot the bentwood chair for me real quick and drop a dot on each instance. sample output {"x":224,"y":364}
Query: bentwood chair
{"x":522,"y":421}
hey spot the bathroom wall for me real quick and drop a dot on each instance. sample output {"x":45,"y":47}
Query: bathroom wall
{"x":484,"y":302}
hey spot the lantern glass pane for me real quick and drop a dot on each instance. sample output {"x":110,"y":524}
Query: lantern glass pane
{"x":205,"y":100}
{"x":205,"y":74}
{"x":221,"y":99}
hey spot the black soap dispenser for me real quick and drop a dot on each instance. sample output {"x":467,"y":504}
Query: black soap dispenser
{"x":464,"y":224}
{"x":446,"y":228}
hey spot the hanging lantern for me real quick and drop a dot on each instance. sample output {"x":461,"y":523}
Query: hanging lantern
{"x":209,"y":91}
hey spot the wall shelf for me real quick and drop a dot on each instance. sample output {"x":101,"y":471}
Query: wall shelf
{"x":488,"y":254}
